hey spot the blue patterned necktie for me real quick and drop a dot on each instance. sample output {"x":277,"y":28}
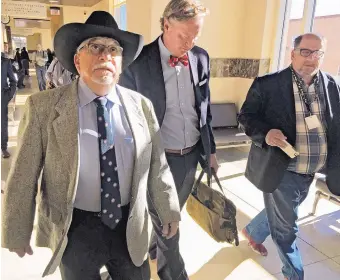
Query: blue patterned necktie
{"x":111,"y":212}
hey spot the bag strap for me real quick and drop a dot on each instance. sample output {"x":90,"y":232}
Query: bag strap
{"x":199,"y":179}
{"x":217,"y":181}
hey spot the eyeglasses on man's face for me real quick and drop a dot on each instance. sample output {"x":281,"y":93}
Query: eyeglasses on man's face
{"x":307,"y":52}
{"x":98,"y":49}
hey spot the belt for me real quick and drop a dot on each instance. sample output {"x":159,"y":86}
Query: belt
{"x":181,"y":152}
{"x":86,"y":213}
{"x":125,"y":211}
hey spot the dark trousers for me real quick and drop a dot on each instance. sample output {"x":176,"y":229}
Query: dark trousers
{"x":21,"y":76}
{"x":4,"y":120}
{"x":170,"y":265}
{"x":92,"y":245}
{"x":25,"y":66}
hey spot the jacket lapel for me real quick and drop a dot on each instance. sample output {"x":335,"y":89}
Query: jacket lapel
{"x":330,"y":113}
{"x":135,"y":119}
{"x":194,"y":75}
{"x":287,"y":93}
{"x":66,"y":125}
{"x":157,"y":85}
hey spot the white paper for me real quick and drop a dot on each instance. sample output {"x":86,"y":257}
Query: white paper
{"x":312,"y":122}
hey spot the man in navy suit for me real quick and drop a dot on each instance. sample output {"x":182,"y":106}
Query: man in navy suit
{"x":174,"y":74}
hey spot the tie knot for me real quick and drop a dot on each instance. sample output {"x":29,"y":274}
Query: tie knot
{"x":101,"y":101}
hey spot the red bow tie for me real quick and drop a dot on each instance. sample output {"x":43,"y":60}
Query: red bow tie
{"x":173,"y":60}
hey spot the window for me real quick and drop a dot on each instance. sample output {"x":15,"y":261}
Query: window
{"x":327,"y":24}
{"x":294,"y":28}
{"x":120,"y":13}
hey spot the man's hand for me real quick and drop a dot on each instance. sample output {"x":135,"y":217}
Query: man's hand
{"x":275,"y":138}
{"x":169,"y":230}
{"x":23,"y":251}
{"x":213,"y":162}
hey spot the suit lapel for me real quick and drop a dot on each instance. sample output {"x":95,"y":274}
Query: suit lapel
{"x":66,"y":125}
{"x":157,"y":85}
{"x":325,"y":83}
{"x":135,"y":119}
{"x":287,"y":93}
{"x":194,"y":75}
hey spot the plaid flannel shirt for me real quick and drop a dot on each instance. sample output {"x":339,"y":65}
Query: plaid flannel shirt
{"x":311,"y":144}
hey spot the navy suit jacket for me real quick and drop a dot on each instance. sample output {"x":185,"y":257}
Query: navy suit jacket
{"x":145,"y":75}
{"x":270,"y":105}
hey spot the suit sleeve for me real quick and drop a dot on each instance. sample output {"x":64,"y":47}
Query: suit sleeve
{"x":20,"y":193}
{"x":250,"y":116}
{"x":209,"y":116}
{"x":161,"y":185}
{"x":127,"y":79}
{"x":12,"y":80}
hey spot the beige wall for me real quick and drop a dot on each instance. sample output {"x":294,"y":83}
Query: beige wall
{"x":33,"y":40}
{"x":221,"y":34}
{"x":104,"y":5}
{"x":157,"y":9}
{"x":80,"y":14}
{"x":238,"y":29}
{"x":75,"y":14}
{"x":40,"y":36}
{"x":139,"y":17}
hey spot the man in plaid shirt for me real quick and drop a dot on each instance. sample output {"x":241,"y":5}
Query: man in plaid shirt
{"x":300,"y":106}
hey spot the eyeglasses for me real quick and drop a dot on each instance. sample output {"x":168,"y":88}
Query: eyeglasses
{"x":308,"y":52}
{"x":97,"y":49}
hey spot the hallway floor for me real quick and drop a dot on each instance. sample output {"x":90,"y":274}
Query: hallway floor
{"x":319,"y":237}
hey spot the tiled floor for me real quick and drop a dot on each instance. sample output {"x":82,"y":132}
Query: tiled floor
{"x":205,"y":259}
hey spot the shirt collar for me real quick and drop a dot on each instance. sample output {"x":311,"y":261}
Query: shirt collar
{"x":165,"y":53}
{"x":86,"y":95}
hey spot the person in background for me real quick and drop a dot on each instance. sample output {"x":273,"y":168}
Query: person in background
{"x":39,"y":59}
{"x":57,"y":75}
{"x":50,"y":57}
{"x":174,"y":74}
{"x":17,"y":58}
{"x":20,"y":73}
{"x":8,"y":88}
{"x":99,"y":150}
{"x":25,"y":60}
{"x":298,"y":106}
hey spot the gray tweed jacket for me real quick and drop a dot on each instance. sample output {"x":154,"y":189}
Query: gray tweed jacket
{"x":48,"y":143}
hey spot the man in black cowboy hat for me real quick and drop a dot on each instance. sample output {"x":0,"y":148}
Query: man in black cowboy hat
{"x":99,"y":147}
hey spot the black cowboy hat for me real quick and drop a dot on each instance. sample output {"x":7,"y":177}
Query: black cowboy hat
{"x":99,"y":24}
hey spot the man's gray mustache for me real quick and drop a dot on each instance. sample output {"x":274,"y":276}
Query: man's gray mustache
{"x":103,"y":65}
